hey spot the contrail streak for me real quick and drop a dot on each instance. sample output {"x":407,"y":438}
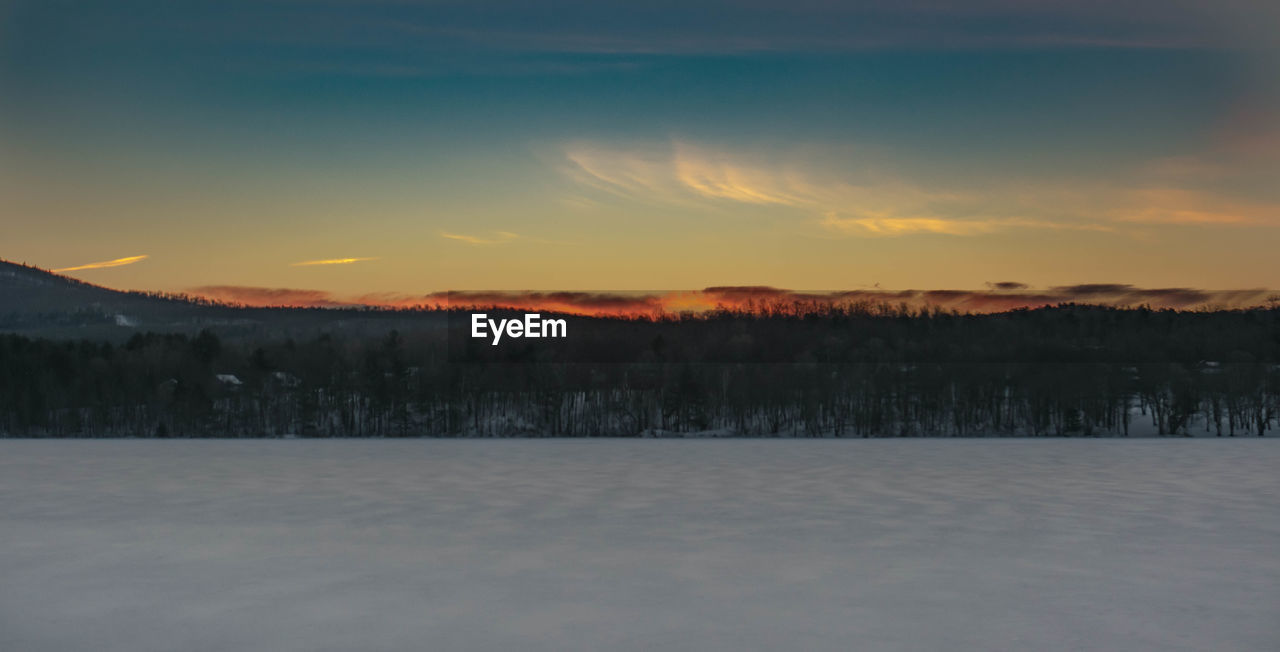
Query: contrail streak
{"x":330,"y":261}
{"x":502,"y":237}
{"x":106,"y":263}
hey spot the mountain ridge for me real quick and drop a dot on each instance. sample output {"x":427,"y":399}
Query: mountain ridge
{"x":38,"y":302}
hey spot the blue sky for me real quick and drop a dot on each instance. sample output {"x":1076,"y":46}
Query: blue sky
{"x":574,"y":145}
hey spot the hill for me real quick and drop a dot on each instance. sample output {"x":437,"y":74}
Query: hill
{"x":41,"y":303}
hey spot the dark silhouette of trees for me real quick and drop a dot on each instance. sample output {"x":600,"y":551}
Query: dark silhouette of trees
{"x":782,"y":371}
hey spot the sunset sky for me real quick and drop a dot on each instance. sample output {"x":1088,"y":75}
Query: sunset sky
{"x":409,"y":147}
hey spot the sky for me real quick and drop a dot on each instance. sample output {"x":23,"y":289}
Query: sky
{"x":401,"y":147}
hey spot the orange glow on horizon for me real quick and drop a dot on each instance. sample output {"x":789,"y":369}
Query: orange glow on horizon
{"x":758,"y":300}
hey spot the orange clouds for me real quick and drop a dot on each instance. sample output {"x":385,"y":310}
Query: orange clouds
{"x":266,"y":297}
{"x":599,"y":304}
{"x":1002,"y":296}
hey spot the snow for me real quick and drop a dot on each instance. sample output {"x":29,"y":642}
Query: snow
{"x":137,"y":545}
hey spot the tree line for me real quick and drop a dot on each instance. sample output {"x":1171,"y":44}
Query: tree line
{"x":1066,"y":371}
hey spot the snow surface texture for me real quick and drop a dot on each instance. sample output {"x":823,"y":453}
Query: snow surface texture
{"x":627,"y":545}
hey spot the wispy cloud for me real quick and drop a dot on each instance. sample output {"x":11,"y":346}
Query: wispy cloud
{"x":627,"y":174}
{"x":119,"y":262}
{"x":719,"y":177}
{"x":869,"y":201}
{"x":498,"y":237}
{"x":681,"y":172}
{"x":891,"y":226}
{"x":330,"y":261}
{"x":876,"y":204}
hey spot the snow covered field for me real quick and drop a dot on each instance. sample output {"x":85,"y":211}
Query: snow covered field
{"x":137,"y":545}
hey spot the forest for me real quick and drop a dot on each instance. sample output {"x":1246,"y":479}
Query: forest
{"x":853,"y":371}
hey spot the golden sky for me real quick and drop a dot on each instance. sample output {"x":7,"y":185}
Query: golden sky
{"x":792,"y":145}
